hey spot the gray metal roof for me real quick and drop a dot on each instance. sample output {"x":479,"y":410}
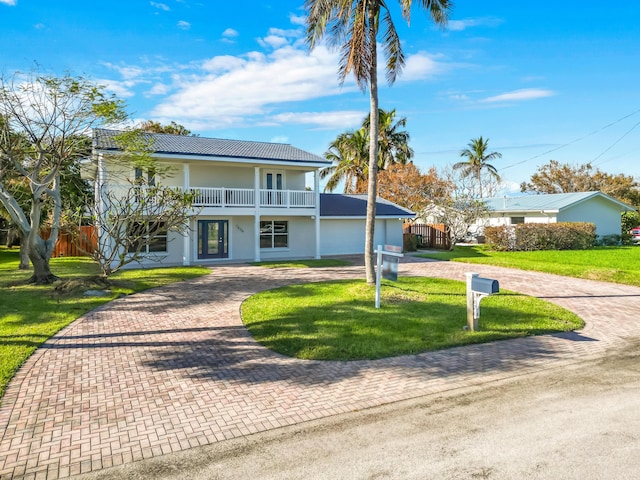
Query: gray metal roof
{"x":339,"y":205}
{"x":550,"y":202}
{"x":212,"y":147}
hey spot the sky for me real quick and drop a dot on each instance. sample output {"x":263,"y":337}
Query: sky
{"x":541,"y":80}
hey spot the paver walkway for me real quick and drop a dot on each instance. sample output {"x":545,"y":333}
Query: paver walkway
{"x":173,"y":368}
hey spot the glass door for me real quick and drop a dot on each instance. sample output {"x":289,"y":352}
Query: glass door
{"x":213,"y":238}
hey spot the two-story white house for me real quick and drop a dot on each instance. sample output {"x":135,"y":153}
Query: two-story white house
{"x":252,"y":201}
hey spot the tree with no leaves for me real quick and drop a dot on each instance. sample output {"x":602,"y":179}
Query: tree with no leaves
{"x":353,"y":26}
{"x":45,"y":122}
{"x":477,"y":161}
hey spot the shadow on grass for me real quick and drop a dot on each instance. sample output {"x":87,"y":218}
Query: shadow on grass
{"x":458,"y":252}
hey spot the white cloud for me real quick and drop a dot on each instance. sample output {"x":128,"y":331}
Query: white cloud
{"x":460,"y":25}
{"x":160,"y":6}
{"x":297,"y":19}
{"x":518,"y":95}
{"x":38,"y":26}
{"x":120,"y":89}
{"x":230,"y":33}
{"x":273,"y":41}
{"x":419,"y":67}
{"x":183,"y":25}
{"x":230,"y":90}
{"x":159,"y":89}
{"x":11,"y":3}
{"x":127,"y":72}
{"x":279,"y":139}
{"x":322,"y":120}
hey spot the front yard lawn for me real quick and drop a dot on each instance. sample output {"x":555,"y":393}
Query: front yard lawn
{"x":608,"y":264}
{"x":338,"y":320}
{"x":31,"y":314}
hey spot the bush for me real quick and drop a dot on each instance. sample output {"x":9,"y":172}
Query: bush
{"x":409,"y":242}
{"x":609,"y":240}
{"x":542,"y":236}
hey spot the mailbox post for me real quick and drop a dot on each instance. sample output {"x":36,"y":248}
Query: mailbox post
{"x":478,"y":288}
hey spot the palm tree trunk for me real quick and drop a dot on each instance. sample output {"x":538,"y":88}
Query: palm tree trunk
{"x":373,"y":154}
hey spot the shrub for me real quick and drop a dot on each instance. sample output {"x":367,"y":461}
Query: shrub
{"x":409,"y":242}
{"x":542,"y":236}
{"x":609,"y":240}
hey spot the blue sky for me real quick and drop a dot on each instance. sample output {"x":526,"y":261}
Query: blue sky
{"x":542,"y":80}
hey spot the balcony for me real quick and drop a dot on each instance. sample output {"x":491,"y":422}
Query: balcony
{"x":244,"y":197}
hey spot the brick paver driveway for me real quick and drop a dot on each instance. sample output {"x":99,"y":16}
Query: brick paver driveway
{"x":173,"y":368}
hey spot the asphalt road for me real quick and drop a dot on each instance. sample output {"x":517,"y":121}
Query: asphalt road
{"x":580,"y":422}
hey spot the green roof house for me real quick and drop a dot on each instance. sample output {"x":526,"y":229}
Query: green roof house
{"x":592,"y":207}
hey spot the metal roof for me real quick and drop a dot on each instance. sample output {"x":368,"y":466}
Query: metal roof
{"x":339,"y":205}
{"x":212,"y":147}
{"x":549,"y":202}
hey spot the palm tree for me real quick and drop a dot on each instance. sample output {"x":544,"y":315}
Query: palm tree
{"x":350,"y":152}
{"x":352,"y":25}
{"x":477,"y":158}
{"x":393,"y":143}
{"x":350,"y":155}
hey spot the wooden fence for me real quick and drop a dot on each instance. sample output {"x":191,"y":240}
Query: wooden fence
{"x":430,"y":236}
{"x":70,"y":246}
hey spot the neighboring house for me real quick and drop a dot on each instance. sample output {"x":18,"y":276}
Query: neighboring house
{"x":252,"y":201}
{"x":592,"y":207}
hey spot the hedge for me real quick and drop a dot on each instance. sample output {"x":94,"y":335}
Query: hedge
{"x":542,"y":236}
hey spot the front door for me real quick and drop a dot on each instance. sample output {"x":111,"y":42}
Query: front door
{"x":213,"y":238}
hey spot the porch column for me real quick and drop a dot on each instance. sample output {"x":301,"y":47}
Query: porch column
{"x":316,"y":189}
{"x":186,"y":240}
{"x":104,"y":242}
{"x":256,"y":217}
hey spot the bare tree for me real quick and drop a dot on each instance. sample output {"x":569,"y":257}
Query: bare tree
{"x":460,"y":209}
{"x":133,"y":217}
{"x":44,"y":121}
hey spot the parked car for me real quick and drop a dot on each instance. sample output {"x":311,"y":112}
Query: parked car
{"x":635,"y":235}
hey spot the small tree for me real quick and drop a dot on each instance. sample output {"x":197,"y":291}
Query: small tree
{"x":460,"y":210}
{"x":133,"y":218}
{"x":45,"y":119}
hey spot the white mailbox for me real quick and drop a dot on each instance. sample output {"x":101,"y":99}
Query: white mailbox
{"x":477,"y":288}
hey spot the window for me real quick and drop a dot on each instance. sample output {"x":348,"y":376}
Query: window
{"x":516,"y":220}
{"x":147,"y":237}
{"x":151,"y":177}
{"x":274,"y":234}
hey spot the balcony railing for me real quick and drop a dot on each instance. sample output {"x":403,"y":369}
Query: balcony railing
{"x":244,"y":197}
{"x":241,"y":197}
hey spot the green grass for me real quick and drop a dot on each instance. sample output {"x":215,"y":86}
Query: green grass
{"x":338,"y":320}
{"x":328,"y":262}
{"x":608,"y":264}
{"x":31,"y":314}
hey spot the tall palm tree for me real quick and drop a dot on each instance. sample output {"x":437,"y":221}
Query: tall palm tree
{"x":477,"y":161}
{"x":350,"y":152}
{"x":350,"y":155}
{"x":393,"y":143}
{"x":353,"y":25}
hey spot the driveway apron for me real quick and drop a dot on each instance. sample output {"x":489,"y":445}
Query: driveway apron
{"x":174,"y":368}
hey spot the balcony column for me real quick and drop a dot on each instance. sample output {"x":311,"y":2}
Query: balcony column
{"x":316,"y":189}
{"x":186,"y":240}
{"x":100,"y":186}
{"x":256,"y":217}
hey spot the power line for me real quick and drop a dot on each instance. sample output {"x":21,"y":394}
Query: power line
{"x":582,"y":138}
{"x":615,"y":143}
